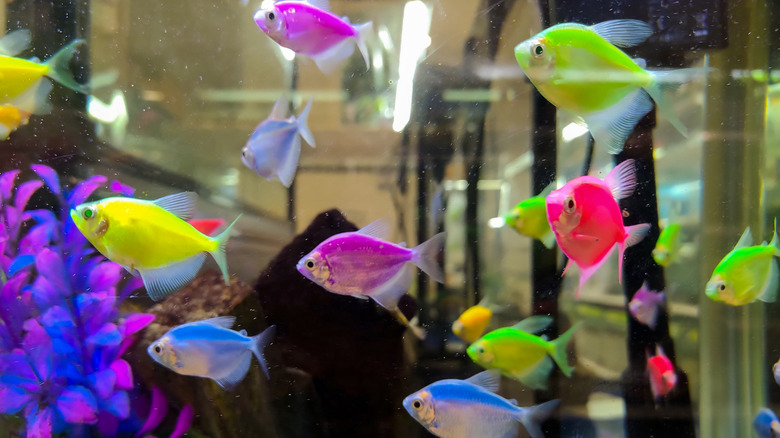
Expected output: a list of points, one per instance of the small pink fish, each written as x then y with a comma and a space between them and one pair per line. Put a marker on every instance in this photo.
206, 226
315, 32
661, 373
645, 304
364, 265
587, 221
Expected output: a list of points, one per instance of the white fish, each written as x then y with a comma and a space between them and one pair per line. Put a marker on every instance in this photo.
210, 349
275, 146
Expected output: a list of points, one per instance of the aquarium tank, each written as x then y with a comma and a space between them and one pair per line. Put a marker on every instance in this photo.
389, 218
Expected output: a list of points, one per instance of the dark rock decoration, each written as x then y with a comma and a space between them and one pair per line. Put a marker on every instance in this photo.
345, 356
245, 411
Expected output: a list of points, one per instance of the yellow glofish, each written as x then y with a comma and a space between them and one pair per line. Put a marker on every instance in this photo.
152, 238
667, 246
529, 218
10, 119
472, 323
520, 355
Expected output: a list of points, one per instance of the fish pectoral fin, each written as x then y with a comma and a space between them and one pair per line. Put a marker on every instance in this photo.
182, 205
162, 282
331, 59
612, 126
621, 180
232, 377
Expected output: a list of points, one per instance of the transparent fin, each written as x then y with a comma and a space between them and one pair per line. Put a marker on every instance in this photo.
219, 253
559, 353
745, 240
35, 100
303, 125
769, 294
288, 163
537, 378
220, 321
587, 272
259, 343
774, 243
624, 32
363, 32
59, 67
279, 111
635, 234
489, 380
322, 4
621, 180
533, 417
425, 256
534, 324
331, 59
162, 282
612, 126
667, 81
182, 205
15, 42
388, 295
547, 190
237, 374
548, 240
640, 62
380, 229
5, 131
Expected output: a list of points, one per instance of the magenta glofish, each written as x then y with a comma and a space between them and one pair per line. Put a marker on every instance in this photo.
661, 373
363, 264
587, 220
644, 305
315, 32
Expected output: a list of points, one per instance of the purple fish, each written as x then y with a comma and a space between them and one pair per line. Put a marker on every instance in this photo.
644, 305
315, 32
364, 265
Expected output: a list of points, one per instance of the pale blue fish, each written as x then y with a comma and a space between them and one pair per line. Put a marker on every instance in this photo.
471, 408
210, 349
275, 146
645, 304
766, 424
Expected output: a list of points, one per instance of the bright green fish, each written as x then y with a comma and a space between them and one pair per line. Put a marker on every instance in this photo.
520, 355
152, 238
529, 218
580, 69
667, 246
747, 273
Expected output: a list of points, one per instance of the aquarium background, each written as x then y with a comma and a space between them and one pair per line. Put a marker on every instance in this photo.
443, 132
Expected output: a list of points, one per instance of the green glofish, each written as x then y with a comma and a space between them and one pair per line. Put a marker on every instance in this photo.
529, 218
667, 246
580, 69
521, 355
747, 273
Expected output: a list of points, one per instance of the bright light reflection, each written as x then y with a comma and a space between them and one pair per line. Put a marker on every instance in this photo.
287, 53
496, 222
414, 41
573, 130
107, 113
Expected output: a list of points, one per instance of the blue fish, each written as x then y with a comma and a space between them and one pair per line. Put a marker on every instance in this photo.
209, 348
470, 408
767, 424
274, 148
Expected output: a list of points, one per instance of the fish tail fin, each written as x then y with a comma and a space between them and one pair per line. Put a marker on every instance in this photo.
303, 126
559, 354
548, 239
219, 253
259, 343
533, 417
363, 32
774, 243
425, 256
59, 67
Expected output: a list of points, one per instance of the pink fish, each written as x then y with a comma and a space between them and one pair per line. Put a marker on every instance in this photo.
315, 32
364, 265
645, 304
206, 226
587, 221
661, 373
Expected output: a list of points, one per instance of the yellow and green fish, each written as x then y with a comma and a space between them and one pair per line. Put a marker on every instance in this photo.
521, 355
580, 69
529, 218
747, 273
152, 238
667, 246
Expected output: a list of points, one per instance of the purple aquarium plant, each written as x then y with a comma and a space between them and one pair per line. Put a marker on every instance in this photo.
62, 336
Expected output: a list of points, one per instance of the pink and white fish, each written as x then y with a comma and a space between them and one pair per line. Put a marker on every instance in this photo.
315, 32
587, 220
363, 264
661, 373
645, 304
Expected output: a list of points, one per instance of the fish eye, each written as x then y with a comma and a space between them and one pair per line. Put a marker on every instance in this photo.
722, 286
417, 404
271, 16
481, 350
537, 50
569, 205
310, 264
157, 349
89, 213
243, 153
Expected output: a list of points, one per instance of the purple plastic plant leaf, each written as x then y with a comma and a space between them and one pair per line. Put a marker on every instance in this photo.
123, 373
37, 344
24, 193
132, 284
6, 342
119, 404
13, 399
49, 265
49, 176
40, 215
7, 183
84, 190
134, 323
102, 382
13, 312
107, 336
156, 412
14, 366
20, 263
104, 276
11, 219
39, 422
39, 237
99, 307
184, 421
122, 188
44, 294
77, 405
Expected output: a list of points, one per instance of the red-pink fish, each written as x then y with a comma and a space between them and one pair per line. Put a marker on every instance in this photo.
587, 220
206, 226
661, 373
315, 32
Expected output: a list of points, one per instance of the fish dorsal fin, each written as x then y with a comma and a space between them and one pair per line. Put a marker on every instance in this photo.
280, 109
402, 244
533, 324
659, 351
180, 204
640, 62
621, 181
15, 42
321, 4
489, 380
242, 332
380, 229
512, 401
225, 322
746, 239
547, 190
624, 32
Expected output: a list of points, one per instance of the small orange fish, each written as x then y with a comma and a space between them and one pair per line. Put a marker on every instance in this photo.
11, 118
